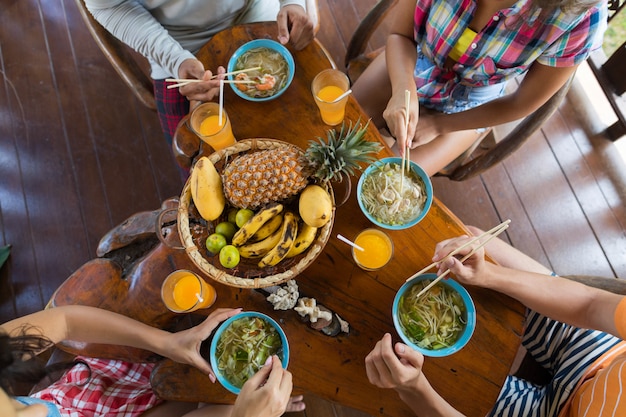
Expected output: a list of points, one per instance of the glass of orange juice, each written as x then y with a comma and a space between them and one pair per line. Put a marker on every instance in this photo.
184, 291
327, 86
205, 121
377, 249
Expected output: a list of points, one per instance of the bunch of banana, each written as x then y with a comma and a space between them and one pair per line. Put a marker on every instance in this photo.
280, 235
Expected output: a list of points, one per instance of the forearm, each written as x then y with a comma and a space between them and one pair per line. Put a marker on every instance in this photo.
555, 297
131, 23
426, 402
401, 52
91, 325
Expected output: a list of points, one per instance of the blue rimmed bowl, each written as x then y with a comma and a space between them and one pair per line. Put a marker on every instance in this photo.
283, 352
468, 316
416, 171
262, 43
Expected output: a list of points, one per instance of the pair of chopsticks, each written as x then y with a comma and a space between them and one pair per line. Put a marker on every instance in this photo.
184, 81
406, 157
489, 234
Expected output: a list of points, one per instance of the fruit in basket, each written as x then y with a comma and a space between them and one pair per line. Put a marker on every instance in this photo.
315, 206
304, 239
273, 175
227, 229
215, 242
262, 247
270, 226
247, 230
206, 189
288, 234
242, 216
229, 256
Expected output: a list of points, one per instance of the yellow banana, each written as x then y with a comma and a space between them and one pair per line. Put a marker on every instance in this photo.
288, 234
306, 236
268, 228
262, 247
206, 189
246, 231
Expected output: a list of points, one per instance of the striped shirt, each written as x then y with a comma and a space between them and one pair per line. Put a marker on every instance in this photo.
600, 391
513, 39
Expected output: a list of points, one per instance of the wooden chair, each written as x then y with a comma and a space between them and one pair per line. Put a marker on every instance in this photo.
132, 67
489, 149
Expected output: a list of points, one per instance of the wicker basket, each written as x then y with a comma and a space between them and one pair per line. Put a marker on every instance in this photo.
194, 230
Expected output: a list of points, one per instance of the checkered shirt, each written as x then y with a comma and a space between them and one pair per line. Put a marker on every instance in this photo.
110, 388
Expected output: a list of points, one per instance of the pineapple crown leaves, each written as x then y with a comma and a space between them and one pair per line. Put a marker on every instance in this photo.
341, 153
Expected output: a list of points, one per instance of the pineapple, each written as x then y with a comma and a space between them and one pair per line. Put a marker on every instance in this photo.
256, 179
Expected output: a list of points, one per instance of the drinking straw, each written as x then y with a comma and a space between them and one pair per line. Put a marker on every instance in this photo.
221, 106
200, 299
342, 96
349, 242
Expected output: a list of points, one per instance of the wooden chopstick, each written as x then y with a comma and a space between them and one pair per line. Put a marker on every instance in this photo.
406, 165
447, 271
495, 231
184, 81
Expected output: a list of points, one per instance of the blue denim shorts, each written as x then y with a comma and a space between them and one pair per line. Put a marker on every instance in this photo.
463, 97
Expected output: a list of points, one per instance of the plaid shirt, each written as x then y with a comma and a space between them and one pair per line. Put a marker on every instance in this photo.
108, 388
505, 48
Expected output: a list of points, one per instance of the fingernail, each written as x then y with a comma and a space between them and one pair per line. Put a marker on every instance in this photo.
212, 377
282, 39
401, 348
268, 361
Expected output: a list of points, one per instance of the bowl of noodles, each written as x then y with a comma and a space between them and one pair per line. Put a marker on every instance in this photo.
392, 200
242, 344
438, 323
269, 70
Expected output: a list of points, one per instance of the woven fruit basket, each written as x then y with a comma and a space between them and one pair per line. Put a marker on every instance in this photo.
194, 230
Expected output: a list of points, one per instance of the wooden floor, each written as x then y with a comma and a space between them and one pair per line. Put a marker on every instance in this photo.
78, 155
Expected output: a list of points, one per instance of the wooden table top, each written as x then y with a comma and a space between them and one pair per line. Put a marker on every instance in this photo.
127, 276
333, 367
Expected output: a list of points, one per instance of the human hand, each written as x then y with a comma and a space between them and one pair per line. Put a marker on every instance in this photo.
294, 25
395, 116
398, 367
427, 129
204, 91
266, 393
184, 346
472, 270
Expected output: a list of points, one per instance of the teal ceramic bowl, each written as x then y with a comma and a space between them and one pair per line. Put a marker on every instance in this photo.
469, 317
262, 43
283, 352
417, 171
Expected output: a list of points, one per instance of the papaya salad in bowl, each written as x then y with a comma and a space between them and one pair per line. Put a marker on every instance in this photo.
242, 344
439, 322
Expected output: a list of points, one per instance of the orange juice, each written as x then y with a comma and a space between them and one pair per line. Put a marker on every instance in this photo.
183, 291
205, 122
326, 87
377, 249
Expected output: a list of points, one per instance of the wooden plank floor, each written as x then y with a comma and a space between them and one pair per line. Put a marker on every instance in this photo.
78, 155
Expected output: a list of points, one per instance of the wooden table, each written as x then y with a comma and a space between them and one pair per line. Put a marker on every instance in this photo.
330, 367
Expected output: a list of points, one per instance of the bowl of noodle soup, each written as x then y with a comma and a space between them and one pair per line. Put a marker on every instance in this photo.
273, 73
390, 201
438, 323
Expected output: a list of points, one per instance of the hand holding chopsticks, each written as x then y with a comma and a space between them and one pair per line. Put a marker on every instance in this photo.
184, 81
489, 234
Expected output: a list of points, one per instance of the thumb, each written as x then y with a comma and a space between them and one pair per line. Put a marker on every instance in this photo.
283, 27
409, 356
261, 375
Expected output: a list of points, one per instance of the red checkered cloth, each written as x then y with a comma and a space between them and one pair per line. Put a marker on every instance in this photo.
171, 108
102, 387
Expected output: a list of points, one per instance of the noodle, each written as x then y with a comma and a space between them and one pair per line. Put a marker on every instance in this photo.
391, 199
244, 347
436, 319
271, 62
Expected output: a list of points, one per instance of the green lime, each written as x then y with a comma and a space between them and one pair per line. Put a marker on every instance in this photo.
227, 229
243, 215
215, 242
229, 256
232, 215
